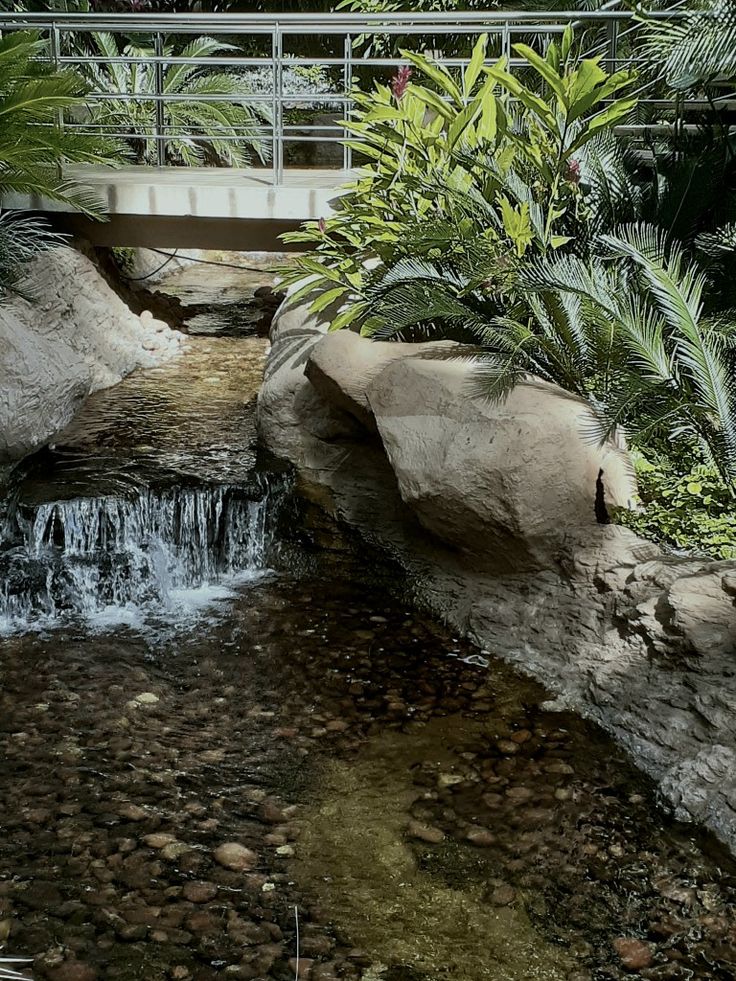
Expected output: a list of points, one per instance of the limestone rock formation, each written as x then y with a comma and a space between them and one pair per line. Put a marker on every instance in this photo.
77, 336
504, 481
342, 366
643, 643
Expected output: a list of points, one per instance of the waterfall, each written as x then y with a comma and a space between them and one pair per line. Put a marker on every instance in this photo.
119, 557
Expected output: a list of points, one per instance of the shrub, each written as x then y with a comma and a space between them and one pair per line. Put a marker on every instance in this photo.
685, 504
453, 159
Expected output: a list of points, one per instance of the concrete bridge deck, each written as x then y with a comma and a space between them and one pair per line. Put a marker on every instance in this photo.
201, 207
203, 192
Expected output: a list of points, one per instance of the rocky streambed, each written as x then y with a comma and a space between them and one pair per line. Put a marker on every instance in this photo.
287, 769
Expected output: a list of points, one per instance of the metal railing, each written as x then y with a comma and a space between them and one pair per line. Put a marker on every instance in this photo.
348, 50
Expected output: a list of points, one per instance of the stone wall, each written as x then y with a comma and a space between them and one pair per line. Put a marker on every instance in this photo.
75, 337
491, 510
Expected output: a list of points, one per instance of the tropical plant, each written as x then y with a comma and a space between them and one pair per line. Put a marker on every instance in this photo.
22, 238
33, 145
627, 331
683, 503
697, 50
206, 119
482, 156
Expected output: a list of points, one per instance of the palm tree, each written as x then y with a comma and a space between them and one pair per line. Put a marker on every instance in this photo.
626, 330
208, 118
33, 143
34, 146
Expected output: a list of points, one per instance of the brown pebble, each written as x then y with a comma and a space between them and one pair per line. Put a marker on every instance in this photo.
234, 856
503, 895
425, 832
507, 747
199, 892
635, 954
522, 736
481, 837
73, 971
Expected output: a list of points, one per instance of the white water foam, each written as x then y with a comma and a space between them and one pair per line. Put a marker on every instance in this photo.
115, 561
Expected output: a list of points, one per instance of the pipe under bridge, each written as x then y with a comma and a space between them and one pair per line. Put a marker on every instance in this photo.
291, 76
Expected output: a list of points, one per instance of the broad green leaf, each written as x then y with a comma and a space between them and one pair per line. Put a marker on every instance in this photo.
326, 298
439, 75
476, 64
347, 317
433, 101
546, 71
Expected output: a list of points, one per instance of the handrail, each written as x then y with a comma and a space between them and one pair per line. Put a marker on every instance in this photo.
275, 35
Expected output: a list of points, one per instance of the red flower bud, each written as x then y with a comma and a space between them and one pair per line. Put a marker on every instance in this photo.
400, 81
322, 225
573, 171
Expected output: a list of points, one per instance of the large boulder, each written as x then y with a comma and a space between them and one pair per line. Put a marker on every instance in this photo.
294, 420
505, 482
342, 366
76, 336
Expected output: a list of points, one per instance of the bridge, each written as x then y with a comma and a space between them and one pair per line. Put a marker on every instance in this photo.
296, 78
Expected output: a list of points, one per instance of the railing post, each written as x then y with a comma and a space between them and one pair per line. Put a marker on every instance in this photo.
612, 37
278, 104
55, 43
160, 128
347, 152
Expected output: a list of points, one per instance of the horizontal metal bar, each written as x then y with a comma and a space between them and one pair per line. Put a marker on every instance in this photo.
336, 21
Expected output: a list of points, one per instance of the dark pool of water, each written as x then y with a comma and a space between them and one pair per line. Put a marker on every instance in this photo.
418, 816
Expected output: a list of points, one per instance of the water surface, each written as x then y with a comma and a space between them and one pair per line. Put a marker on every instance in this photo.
422, 815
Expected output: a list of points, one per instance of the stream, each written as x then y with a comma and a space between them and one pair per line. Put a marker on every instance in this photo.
234, 748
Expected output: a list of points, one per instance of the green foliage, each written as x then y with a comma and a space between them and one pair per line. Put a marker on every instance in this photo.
22, 238
201, 127
628, 333
685, 504
478, 161
694, 51
33, 145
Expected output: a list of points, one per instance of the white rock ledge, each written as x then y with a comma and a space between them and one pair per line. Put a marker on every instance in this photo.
490, 507
76, 337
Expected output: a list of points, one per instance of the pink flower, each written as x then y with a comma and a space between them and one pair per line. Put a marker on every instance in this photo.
322, 225
573, 171
400, 81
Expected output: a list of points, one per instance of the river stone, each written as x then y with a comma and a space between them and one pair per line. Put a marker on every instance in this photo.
75, 338
236, 857
504, 481
199, 892
635, 954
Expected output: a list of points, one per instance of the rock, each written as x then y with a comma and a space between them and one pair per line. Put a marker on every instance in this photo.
449, 779
503, 895
635, 954
145, 698
489, 508
77, 337
199, 892
295, 420
73, 970
481, 837
503, 482
425, 832
159, 840
342, 365
133, 813
236, 857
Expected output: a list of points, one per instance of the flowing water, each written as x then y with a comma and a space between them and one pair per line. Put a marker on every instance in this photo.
232, 752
